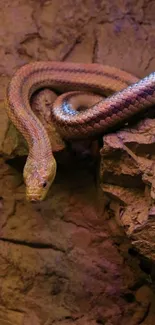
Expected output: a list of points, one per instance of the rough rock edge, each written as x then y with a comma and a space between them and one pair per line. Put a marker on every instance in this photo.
127, 174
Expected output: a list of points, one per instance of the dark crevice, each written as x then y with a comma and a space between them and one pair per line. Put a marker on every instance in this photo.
129, 297
30, 244
145, 314
16, 310
17, 163
100, 321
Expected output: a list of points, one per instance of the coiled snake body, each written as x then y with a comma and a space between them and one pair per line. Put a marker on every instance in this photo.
130, 96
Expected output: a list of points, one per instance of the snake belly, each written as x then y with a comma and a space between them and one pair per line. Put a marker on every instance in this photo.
128, 95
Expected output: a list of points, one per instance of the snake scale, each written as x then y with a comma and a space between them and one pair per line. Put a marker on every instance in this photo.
78, 82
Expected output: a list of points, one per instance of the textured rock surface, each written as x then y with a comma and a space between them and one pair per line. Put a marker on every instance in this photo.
67, 260
128, 174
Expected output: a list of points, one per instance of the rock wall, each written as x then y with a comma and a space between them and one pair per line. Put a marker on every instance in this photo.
68, 260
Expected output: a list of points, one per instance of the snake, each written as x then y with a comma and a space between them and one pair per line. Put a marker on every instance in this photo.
76, 84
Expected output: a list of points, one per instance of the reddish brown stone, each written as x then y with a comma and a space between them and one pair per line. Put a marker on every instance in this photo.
68, 260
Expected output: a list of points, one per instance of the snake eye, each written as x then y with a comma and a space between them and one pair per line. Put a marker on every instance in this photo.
44, 184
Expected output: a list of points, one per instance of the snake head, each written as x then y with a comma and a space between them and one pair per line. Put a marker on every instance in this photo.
38, 178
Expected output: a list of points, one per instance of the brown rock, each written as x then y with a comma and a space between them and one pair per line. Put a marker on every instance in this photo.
67, 260
127, 175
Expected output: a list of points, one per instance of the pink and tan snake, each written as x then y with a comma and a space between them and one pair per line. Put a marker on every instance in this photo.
128, 95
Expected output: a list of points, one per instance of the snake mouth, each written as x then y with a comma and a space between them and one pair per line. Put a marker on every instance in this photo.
34, 197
